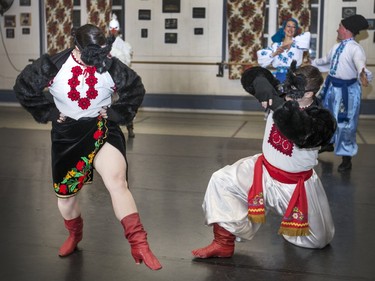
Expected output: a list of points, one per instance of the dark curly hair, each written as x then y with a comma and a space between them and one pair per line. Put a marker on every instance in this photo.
94, 46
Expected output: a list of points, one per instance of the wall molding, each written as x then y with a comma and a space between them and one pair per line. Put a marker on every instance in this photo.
199, 102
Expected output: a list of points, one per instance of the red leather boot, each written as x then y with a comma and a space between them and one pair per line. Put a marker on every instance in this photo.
221, 247
137, 238
75, 227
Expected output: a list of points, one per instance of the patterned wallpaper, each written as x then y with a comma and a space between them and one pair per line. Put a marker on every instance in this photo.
59, 25
245, 33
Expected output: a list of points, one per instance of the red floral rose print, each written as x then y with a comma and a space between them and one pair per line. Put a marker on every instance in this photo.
84, 103
91, 81
77, 71
80, 165
73, 82
98, 134
81, 181
63, 189
73, 94
92, 93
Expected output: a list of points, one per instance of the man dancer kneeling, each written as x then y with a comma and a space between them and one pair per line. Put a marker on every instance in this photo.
281, 178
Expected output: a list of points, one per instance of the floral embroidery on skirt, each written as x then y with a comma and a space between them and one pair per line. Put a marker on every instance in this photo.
74, 146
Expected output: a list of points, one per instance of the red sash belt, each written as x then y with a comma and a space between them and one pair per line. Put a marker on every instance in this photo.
295, 219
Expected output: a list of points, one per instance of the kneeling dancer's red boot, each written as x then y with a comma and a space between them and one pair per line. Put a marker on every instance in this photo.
221, 247
137, 238
75, 227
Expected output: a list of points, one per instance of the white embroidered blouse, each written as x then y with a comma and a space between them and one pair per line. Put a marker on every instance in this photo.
300, 44
349, 64
80, 91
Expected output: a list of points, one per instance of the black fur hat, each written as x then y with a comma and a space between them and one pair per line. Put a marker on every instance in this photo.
251, 73
355, 23
307, 128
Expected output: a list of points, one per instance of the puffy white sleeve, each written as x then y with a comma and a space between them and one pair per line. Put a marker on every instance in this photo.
327, 58
322, 67
369, 75
324, 63
129, 53
123, 51
303, 41
359, 59
265, 57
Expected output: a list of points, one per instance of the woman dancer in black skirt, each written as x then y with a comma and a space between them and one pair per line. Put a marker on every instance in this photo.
92, 94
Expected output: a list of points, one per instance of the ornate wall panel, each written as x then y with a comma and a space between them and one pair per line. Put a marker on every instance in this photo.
99, 13
245, 32
59, 24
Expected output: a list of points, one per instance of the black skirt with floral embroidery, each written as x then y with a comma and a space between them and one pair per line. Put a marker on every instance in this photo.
74, 146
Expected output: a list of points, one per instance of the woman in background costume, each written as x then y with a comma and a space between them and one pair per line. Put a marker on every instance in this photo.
287, 46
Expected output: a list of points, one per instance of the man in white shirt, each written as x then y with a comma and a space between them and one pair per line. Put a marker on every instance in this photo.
341, 93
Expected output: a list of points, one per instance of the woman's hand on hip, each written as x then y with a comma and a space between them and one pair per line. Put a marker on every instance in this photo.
103, 112
62, 118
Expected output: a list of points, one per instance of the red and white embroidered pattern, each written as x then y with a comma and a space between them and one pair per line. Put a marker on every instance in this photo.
279, 142
91, 81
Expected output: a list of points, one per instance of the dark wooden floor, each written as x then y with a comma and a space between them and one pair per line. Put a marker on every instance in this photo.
168, 178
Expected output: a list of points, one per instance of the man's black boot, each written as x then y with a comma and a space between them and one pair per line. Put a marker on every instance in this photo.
345, 165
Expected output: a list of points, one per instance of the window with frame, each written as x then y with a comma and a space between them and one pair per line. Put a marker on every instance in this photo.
76, 13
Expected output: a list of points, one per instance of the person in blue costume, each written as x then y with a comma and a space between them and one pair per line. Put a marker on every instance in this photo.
287, 46
85, 131
341, 93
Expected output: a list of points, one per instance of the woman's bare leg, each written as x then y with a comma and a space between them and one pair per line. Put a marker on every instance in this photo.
111, 166
69, 207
